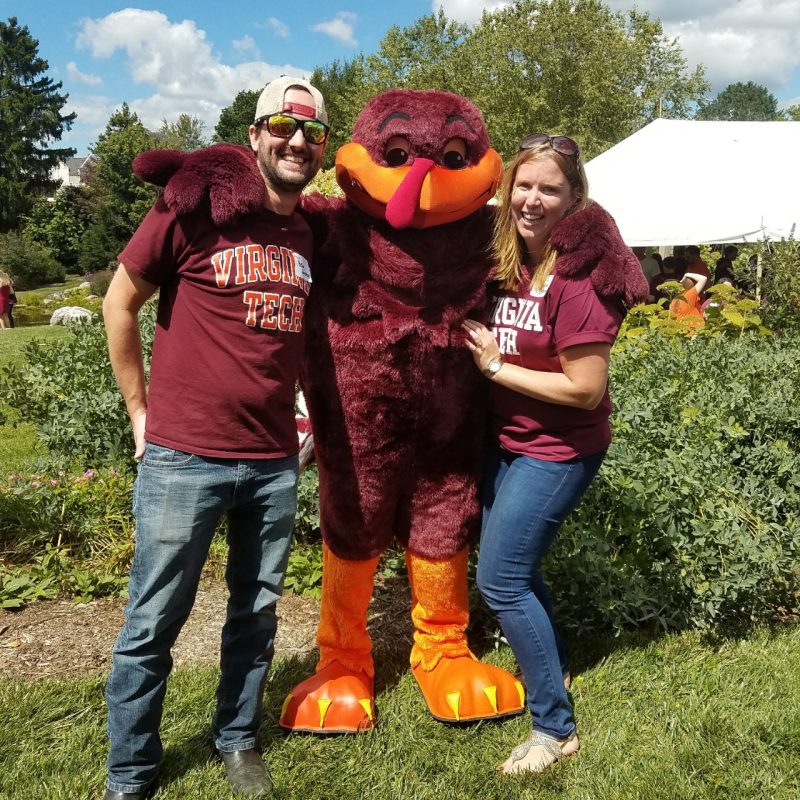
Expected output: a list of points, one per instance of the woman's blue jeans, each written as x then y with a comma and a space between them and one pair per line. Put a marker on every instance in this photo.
178, 501
525, 500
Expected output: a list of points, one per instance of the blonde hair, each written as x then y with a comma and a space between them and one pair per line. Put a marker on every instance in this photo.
507, 246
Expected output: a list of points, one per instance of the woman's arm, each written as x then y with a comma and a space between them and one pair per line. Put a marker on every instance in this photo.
582, 384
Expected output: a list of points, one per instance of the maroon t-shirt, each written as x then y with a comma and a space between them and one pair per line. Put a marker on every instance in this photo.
531, 329
229, 331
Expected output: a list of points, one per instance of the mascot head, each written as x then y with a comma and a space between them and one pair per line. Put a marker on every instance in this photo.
419, 159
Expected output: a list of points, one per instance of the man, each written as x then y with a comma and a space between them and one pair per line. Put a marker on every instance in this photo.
216, 434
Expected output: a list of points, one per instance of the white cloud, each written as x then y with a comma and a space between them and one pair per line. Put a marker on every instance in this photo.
339, 28
76, 76
277, 27
466, 10
174, 59
749, 40
247, 44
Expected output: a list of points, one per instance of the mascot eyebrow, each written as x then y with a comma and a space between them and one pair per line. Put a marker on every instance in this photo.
458, 118
453, 118
394, 115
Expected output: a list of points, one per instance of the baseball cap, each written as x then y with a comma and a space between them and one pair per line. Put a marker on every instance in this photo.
270, 100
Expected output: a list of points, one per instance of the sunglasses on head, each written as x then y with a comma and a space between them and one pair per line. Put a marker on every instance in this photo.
561, 144
283, 126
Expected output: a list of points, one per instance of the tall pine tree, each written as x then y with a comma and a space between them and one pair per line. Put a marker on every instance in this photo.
30, 119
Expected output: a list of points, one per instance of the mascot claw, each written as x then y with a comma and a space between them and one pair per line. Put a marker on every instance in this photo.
462, 689
335, 700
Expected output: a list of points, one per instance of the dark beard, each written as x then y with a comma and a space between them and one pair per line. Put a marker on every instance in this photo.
281, 183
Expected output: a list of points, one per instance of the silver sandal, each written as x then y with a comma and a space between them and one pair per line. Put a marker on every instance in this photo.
553, 752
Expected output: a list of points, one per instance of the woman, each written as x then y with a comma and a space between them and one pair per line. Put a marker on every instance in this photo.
5, 301
565, 280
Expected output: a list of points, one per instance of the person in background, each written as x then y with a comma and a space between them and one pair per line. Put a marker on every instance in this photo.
650, 267
669, 272
697, 267
689, 305
564, 282
6, 290
681, 262
723, 270
216, 435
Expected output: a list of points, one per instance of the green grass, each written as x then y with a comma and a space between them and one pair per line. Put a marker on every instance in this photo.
676, 718
12, 340
45, 291
19, 444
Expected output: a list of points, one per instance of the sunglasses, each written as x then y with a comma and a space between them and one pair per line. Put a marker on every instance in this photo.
561, 144
283, 126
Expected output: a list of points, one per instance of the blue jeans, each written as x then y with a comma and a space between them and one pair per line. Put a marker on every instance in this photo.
178, 501
525, 500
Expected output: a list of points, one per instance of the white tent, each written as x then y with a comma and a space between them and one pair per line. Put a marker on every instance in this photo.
691, 182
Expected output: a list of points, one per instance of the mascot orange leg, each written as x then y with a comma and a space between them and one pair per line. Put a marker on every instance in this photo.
455, 684
340, 698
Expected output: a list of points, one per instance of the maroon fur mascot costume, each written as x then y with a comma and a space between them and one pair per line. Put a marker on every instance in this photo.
396, 404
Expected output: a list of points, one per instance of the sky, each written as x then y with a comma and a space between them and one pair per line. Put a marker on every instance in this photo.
195, 57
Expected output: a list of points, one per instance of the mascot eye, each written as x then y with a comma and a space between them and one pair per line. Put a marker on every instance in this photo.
397, 151
455, 154
396, 157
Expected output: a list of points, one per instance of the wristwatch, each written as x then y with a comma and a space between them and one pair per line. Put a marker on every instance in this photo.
493, 367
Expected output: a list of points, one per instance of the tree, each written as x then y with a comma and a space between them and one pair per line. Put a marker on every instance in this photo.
577, 68
122, 199
566, 66
346, 87
186, 133
237, 118
29, 263
741, 101
60, 224
793, 113
30, 119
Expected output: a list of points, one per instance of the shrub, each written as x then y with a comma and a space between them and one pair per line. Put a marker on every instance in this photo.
100, 281
694, 519
28, 263
325, 183
781, 285
76, 529
66, 388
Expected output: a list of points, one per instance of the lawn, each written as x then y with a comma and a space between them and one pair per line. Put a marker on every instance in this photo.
19, 445
675, 718
45, 291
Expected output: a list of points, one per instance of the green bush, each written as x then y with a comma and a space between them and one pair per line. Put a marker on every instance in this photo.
64, 534
694, 519
28, 263
66, 388
781, 285
100, 281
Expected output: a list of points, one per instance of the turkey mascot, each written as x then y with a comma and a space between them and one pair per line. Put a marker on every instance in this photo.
397, 407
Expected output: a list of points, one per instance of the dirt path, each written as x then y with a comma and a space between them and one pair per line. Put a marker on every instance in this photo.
59, 638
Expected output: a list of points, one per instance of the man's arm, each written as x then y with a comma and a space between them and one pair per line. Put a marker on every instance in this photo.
125, 296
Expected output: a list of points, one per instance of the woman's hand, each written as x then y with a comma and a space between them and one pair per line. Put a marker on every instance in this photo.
481, 343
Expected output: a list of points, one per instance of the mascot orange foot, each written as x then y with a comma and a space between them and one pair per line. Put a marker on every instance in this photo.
340, 698
335, 700
457, 687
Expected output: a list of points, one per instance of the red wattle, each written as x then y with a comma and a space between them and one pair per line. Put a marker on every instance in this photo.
403, 204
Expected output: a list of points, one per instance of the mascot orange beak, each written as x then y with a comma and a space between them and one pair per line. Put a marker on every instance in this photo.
421, 195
